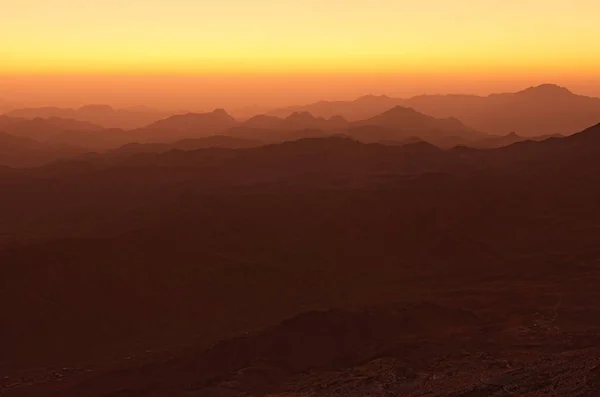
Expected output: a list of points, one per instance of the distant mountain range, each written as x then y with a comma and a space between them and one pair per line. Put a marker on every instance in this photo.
191, 125
396, 126
44, 128
401, 123
445, 121
296, 121
55, 130
341, 154
546, 109
359, 109
395, 123
542, 110
102, 115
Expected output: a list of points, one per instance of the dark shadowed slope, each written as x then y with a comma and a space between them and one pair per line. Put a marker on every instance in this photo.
568, 153
102, 115
17, 151
102, 263
506, 140
541, 110
125, 152
216, 141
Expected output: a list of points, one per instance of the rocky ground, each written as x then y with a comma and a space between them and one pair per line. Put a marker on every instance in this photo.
507, 337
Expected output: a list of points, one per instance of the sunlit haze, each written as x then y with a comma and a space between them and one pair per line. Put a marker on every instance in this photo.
200, 54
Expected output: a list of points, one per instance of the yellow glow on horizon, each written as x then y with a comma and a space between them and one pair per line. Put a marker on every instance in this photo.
202, 54
449, 65
41, 37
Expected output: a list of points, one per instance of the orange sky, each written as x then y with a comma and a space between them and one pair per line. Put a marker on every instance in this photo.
196, 53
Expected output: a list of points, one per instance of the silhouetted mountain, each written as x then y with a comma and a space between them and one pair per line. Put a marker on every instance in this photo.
102, 115
558, 157
396, 124
359, 109
546, 90
506, 140
296, 121
408, 119
276, 135
191, 125
542, 110
57, 131
500, 141
263, 122
16, 151
44, 129
578, 148
216, 141
547, 109
322, 159
399, 124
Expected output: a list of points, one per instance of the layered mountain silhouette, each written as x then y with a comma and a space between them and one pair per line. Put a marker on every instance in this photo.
216, 141
102, 115
44, 128
542, 110
114, 264
19, 151
403, 118
508, 139
546, 109
191, 125
394, 124
359, 109
296, 121
58, 131
401, 124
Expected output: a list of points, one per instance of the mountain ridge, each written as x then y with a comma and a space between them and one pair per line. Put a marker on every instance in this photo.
530, 112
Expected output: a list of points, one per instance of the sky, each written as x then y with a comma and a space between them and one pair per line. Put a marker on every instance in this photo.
199, 53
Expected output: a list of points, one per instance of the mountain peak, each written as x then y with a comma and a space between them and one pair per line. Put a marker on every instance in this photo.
337, 118
220, 111
400, 110
301, 116
546, 89
398, 114
222, 115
